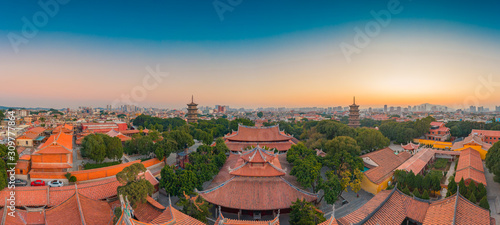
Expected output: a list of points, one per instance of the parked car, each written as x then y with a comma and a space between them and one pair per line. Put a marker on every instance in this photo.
38, 183
19, 182
55, 183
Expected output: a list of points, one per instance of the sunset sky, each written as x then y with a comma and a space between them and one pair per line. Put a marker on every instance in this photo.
256, 54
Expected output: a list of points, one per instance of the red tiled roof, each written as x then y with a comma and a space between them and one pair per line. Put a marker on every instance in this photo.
470, 158
58, 195
258, 134
418, 162
36, 130
67, 212
410, 146
472, 139
79, 209
152, 212
438, 124
256, 193
392, 207
257, 163
489, 133
469, 173
27, 196
470, 166
60, 139
365, 210
386, 162
239, 146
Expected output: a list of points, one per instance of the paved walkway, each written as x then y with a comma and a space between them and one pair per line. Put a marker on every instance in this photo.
450, 173
493, 189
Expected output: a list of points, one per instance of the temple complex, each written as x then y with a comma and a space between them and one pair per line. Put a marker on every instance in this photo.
354, 114
395, 207
254, 183
55, 155
192, 115
270, 137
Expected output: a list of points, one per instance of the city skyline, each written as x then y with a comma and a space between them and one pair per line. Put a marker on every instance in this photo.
242, 60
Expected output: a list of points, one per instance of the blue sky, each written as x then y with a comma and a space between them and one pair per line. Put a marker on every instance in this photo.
263, 53
198, 20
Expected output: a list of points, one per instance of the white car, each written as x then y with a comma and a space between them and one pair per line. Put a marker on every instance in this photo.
56, 183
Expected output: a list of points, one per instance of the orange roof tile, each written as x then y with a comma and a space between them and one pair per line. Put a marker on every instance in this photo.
418, 161
386, 162
256, 193
470, 166
258, 134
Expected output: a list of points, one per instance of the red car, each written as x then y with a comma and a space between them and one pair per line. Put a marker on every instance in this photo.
38, 183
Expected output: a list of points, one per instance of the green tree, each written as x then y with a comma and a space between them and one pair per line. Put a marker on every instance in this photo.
332, 188
188, 181
3, 174
169, 180
484, 203
260, 114
406, 190
307, 171
462, 188
114, 148
481, 191
410, 179
425, 195
164, 148
343, 158
305, 213
416, 193
471, 189
371, 139
472, 198
195, 207
130, 173
136, 191
298, 151
452, 187
93, 146
134, 187
426, 182
493, 160
182, 138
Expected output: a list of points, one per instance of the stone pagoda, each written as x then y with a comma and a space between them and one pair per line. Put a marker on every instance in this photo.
192, 115
354, 114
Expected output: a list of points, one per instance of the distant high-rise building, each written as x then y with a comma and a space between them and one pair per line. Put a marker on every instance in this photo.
398, 109
354, 114
391, 109
385, 108
192, 111
472, 108
497, 108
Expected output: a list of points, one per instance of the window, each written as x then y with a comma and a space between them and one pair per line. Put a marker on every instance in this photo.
26, 142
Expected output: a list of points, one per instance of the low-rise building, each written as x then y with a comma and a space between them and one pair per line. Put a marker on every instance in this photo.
379, 168
438, 132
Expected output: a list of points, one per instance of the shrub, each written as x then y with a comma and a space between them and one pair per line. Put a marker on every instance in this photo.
89, 166
472, 198
425, 195
484, 203
440, 163
72, 179
67, 175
